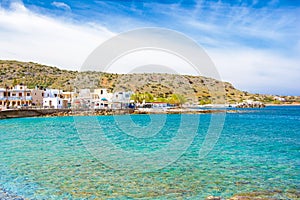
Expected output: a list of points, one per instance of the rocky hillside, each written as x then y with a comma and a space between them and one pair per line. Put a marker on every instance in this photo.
196, 89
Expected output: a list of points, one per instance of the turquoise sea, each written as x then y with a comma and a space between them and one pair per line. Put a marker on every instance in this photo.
257, 152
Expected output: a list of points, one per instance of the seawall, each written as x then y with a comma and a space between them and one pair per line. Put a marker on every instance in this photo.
81, 112
29, 113
6, 114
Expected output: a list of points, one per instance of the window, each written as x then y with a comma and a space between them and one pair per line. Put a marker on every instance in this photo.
20, 94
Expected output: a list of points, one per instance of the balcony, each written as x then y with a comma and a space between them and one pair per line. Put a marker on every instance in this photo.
16, 98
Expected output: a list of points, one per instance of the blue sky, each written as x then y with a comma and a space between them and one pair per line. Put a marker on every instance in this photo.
255, 44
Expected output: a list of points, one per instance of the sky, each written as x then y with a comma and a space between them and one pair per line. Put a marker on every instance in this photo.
254, 44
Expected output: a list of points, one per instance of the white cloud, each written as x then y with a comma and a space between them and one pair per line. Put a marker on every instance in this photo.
146, 60
29, 36
239, 24
258, 71
61, 5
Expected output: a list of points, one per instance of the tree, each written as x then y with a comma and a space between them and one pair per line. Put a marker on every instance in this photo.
177, 99
148, 97
205, 101
15, 82
140, 97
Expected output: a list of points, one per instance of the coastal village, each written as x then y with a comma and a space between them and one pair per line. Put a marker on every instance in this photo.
27, 85
20, 96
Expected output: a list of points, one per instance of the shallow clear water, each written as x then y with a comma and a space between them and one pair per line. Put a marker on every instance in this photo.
60, 158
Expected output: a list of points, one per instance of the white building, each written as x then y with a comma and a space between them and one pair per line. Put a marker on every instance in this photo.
53, 99
102, 98
279, 98
102, 94
83, 99
68, 98
16, 96
121, 99
85, 94
55, 103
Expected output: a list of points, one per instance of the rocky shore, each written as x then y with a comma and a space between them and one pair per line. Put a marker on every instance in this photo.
4, 195
60, 112
262, 195
69, 112
181, 111
97, 112
254, 104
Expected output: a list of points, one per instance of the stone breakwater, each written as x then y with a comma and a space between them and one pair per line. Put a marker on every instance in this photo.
59, 112
69, 112
251, 105
182, 111
28, 113
97, 112
132, 111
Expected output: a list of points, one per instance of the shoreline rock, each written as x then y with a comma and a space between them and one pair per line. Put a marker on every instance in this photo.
213, 198
5, 195
251, 105
100, 112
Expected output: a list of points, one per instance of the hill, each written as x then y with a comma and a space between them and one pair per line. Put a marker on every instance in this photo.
196, 89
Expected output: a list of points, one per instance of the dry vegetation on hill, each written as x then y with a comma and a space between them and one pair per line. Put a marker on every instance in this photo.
195, 89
